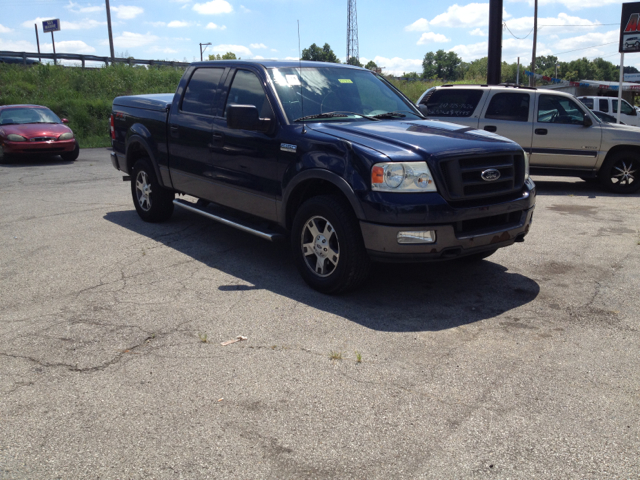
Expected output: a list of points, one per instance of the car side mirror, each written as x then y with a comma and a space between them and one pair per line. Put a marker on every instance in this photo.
246, 117
424, 110
64, 120
587, 122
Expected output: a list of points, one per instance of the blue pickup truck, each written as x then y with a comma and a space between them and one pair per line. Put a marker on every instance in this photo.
332, 157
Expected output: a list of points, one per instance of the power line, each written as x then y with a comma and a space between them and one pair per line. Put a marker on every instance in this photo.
585, 48
518, 38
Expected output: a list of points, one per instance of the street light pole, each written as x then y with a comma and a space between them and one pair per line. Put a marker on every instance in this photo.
201, 50
494, 60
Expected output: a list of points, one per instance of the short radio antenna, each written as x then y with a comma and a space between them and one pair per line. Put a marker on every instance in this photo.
304, 130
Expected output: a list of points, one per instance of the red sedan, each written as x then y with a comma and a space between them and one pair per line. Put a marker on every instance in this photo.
34, 130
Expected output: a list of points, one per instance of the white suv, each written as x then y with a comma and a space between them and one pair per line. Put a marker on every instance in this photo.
609, 105
561, 135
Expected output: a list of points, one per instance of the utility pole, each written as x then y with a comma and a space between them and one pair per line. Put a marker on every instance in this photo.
201, 50
494, 60
113, 56
532, 80
38, 42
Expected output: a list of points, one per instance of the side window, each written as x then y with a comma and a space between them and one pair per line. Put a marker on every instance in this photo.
588, 102
557, 109
453, 102
625, 108
509, 106
201, 90
246, 89
604, 104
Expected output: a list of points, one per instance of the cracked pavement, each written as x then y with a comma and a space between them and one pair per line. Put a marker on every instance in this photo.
521, 366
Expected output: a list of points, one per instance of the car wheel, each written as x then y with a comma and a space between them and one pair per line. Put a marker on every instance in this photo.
4, 158
327, 245
476, 257
153, 202
620, 173
72, 155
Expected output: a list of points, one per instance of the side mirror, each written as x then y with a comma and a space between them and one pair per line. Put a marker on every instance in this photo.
424, 110
64, 120
246, 117
587, 122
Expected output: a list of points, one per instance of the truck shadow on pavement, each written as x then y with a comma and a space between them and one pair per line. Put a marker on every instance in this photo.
36, 161
579, 188
396, 297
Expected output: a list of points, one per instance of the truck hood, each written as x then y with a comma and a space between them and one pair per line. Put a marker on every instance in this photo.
415, 140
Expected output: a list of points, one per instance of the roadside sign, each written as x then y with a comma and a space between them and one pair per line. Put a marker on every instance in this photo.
51, 25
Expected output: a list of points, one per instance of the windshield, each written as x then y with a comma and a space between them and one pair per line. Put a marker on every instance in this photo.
13, 116
353, 93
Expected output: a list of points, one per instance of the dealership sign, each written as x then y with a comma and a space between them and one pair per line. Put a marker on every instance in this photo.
51, 25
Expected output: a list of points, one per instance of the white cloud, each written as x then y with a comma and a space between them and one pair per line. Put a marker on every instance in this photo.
431, 37
132, 40
421, 25
291, 58
258, 57
239, 50
163, 50
214, 7
573, 4
76, 8
274, 50
64, 25
524, 25
157, 24
5, 29
478, 33
177, 24
213, 26
471, 15
258, 45
244, 9
17, 46
127, 13
68, 46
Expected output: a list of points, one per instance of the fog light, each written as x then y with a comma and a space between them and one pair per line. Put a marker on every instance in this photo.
417, 237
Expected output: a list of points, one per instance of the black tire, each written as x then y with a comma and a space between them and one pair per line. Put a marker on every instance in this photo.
620, 173
338, 264
4, 158
476, 257
153, 202
72, 155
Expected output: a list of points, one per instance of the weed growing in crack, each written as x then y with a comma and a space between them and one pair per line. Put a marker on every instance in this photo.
358, 357
335, 355
144, 252
203, 337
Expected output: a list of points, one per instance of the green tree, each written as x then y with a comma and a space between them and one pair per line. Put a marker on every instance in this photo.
354, 61
226, 56
442, 65
371, 65
317, 54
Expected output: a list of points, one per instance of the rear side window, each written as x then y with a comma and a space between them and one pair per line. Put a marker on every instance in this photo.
588, 102
453, 103
603, 104
201, 90
509, 106
246, 89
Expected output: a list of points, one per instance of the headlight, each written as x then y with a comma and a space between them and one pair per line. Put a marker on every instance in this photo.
402, 177
16, 138
66, 136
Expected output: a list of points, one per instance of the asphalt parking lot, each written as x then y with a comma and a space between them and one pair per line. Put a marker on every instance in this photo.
525, 365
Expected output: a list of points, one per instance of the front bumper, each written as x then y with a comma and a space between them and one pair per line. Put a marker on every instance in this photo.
52, 147
381, 241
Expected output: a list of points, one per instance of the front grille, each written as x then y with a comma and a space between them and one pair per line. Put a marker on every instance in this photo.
478, 226
463, 176
42, 139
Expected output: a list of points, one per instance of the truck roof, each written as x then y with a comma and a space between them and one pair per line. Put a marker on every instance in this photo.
276, 63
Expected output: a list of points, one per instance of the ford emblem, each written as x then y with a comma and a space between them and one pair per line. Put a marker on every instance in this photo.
490, 175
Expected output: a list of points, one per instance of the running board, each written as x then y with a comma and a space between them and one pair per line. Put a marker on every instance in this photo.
271, 236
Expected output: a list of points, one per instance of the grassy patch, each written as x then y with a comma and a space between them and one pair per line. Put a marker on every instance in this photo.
333, 355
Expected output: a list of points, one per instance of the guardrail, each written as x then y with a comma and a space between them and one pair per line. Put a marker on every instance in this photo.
89, 58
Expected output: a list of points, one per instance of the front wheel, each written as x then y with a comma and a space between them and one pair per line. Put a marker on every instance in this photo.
620, 173
72, 155
153, 202
4, 158
327, 245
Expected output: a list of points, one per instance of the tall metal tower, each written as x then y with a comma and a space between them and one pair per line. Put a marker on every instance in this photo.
352, 31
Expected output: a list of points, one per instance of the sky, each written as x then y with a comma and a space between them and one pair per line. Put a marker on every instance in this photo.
394, 34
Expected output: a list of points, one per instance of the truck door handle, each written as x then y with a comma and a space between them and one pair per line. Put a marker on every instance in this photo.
491, 128
174, 130
541, 131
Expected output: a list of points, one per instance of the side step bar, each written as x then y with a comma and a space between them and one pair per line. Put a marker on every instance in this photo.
271, 236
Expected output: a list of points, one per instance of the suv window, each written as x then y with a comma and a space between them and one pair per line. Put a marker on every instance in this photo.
603, 104
556, 109
246, 89
625, 108
453, 103
588, 102
201, 91
509, 106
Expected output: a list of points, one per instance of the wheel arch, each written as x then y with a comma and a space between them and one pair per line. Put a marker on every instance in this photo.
620, 148
138, 147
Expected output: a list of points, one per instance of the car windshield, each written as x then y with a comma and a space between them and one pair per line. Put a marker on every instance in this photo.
346, 94
18, 116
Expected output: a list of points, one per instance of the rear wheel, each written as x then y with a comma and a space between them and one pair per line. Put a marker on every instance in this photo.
620, 173
327, 245
4, 158
153, 202
72, 155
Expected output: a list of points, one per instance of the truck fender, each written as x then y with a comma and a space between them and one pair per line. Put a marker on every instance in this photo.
139, 140
319, 174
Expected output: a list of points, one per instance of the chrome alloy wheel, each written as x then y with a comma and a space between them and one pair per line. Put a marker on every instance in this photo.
320, 247
143, 190
623, 172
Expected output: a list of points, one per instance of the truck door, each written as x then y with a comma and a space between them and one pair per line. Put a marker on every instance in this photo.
628, 114
190, 124
510, 114
245, 162
560, 137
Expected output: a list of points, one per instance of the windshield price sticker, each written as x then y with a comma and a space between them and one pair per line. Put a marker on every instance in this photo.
345, 80
293, 80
